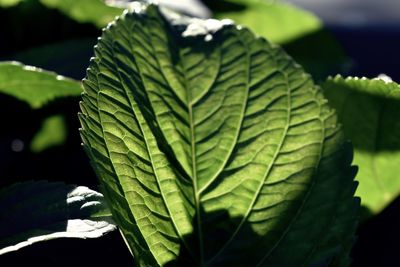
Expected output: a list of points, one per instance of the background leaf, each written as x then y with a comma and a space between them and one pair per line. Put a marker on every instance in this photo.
299, 31
31, 212
9, 3
33, 85
53, 132
369, 110
214, 148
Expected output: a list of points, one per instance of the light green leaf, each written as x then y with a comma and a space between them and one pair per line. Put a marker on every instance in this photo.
35, 86
299, 31
32, 212
214, 148
279, 22
85, 11
9, 3
53, 132
369, 111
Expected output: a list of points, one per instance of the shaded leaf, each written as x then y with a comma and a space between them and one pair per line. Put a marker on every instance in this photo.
369, 110
33, 85
214, 148
31, 212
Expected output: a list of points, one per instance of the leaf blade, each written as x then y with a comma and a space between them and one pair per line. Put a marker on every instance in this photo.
142, 96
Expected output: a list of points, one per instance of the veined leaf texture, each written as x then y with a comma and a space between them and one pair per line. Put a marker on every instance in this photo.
215, 149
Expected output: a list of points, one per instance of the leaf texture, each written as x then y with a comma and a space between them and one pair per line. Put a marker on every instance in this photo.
215, 149
369, 111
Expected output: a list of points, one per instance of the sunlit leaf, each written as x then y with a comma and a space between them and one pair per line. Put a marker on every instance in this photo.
369, 110
34, 85
214, 148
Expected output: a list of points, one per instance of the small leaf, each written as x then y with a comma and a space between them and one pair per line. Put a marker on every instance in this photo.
33, 85
369, 110
52, 133
32, 212
214, 148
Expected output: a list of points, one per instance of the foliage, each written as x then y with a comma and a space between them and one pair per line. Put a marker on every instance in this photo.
38, 211
211, 144
34, 85
369, 111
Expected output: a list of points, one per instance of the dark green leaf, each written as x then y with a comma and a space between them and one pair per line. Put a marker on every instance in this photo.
32, 212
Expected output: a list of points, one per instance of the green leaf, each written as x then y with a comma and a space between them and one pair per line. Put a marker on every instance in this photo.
279, 22
369, 111
32, 212
35, 86
9, 3
52, 133
214, 148
86, 11
300, 32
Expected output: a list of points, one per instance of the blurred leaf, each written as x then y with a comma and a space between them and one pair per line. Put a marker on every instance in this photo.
53, 132
9, 3
369, 111
299, 31
86, 11
31, 212
68, 58
33, 85
278, 22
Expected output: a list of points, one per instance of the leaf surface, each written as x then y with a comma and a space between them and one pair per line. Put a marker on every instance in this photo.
33, 85
215, 149
32, 212
369, 110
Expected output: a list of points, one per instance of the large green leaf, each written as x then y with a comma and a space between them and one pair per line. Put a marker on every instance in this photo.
214, 148
369, 111
33, 85
32, 212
